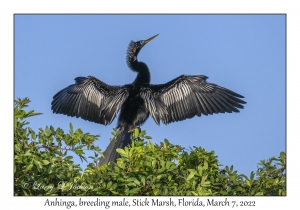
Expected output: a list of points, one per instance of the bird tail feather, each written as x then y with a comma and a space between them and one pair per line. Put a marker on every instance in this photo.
110, 154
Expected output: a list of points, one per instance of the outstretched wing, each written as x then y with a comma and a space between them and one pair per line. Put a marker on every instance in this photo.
90, 99
187, 96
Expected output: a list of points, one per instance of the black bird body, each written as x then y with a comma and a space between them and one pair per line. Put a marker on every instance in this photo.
182, 98
133, 112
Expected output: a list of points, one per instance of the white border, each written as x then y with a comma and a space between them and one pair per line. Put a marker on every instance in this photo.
10, 7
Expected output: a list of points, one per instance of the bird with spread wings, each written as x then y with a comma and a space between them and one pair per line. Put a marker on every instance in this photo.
182, 98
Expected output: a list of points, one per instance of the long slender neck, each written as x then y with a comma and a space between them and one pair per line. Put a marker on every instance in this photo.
143, 76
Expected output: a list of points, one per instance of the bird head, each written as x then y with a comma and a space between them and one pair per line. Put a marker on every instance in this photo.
142, 43
135, 47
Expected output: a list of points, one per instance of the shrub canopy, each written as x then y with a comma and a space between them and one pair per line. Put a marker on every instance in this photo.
43, 165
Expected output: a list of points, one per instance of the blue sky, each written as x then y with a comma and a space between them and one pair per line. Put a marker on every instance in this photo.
244, 53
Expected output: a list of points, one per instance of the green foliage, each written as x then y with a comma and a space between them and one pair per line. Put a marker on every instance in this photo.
42, 166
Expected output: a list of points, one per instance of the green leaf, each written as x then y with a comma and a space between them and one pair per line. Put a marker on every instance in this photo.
136, 132
126, 151
155, 191
194, 193
136, 182
191, 175
28, 153
38, 164
33, 136
109, 184
142, 133
212, 179
114, 186
134, 191
168, 164
154, 163
200, 170
45, 162
205, 165
282, 155
206, 184
47, 131
143, 180
79, 151
120, 163
121, 152
252, 175
131, 179
28, 167
161, 170
71, 129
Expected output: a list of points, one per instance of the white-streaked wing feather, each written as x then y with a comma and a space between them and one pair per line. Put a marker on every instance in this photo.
187, 96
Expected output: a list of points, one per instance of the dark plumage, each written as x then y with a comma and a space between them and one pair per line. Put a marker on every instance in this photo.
182, 98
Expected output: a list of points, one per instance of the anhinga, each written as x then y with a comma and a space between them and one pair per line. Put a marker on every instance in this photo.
180, 99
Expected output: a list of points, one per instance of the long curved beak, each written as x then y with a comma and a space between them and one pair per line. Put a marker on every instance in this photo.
148, 40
